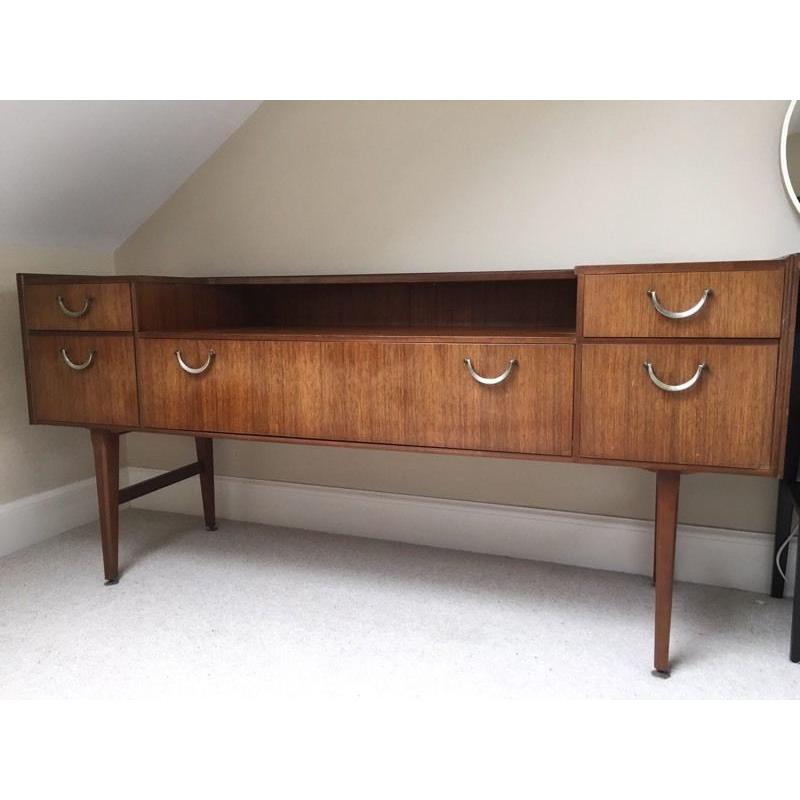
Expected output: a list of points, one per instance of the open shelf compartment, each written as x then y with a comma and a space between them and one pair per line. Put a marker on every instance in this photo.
521, 309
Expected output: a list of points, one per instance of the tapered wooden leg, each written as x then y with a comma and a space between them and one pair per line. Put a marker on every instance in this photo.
653, 573
205, 456
667, 485
106, 467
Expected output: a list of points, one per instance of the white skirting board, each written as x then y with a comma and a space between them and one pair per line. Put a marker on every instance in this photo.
40, 516
716, 556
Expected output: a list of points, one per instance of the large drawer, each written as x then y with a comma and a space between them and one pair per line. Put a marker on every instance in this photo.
740, 304
361, 391
78, 306
724, 419
82, 379
424, 395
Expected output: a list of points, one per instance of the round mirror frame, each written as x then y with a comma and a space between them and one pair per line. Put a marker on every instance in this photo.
790, 190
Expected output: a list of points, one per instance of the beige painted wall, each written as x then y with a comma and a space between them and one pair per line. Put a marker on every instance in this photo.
40, 457
308, 187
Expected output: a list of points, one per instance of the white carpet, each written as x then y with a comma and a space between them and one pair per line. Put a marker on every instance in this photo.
251, 611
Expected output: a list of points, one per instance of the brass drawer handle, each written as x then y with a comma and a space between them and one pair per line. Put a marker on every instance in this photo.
69, 312
680, 387
77, 367
194, 370
490, 381
690, 312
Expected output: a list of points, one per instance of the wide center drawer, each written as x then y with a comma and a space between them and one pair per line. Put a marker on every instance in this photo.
729, 304
674, 412
362, 391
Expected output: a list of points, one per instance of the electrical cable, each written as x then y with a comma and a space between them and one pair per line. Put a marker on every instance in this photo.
778, 555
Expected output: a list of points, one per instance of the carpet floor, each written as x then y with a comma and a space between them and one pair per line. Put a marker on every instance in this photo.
254, 611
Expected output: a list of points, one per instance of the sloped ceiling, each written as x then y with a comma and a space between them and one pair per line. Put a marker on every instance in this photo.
87, 174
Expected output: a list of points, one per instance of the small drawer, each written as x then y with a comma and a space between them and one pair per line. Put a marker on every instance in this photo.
82, 379
78, 306
729, 304
205, 384
674, 411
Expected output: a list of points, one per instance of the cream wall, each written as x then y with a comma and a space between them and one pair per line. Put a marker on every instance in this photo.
35, 458
307, 187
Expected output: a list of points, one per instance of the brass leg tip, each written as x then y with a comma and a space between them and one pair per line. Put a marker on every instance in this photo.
659, 673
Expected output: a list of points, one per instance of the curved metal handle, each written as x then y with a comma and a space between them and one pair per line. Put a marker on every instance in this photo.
194, 370
680, 387
490, 381
690, 312
77, 367
69, 312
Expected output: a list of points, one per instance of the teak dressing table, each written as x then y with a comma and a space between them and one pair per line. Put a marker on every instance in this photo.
669, 367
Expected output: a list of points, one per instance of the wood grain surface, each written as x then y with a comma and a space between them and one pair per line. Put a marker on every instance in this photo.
104, 393
724, 420
109, 306
405, 394
666, 524
742, 304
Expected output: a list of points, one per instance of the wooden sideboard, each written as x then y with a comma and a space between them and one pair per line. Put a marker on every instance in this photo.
670, 367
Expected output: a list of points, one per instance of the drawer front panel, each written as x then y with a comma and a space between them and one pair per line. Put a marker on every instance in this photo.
725, 419
740, 305
384, 393
423, 395
82, 307
222, 398
104, 392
